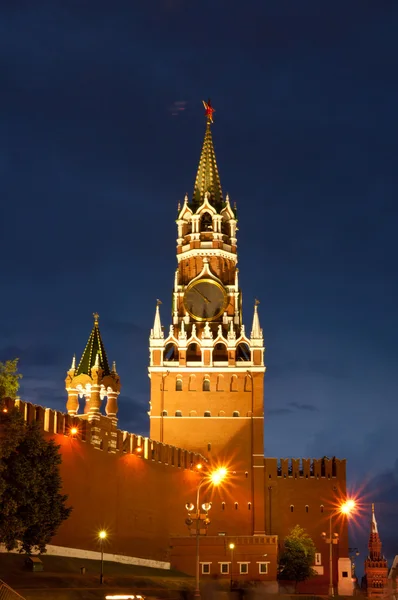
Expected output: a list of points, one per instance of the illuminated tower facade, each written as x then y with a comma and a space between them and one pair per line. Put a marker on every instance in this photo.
206, 370
93, 381
376, 569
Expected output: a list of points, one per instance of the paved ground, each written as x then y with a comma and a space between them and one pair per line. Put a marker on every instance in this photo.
61, 579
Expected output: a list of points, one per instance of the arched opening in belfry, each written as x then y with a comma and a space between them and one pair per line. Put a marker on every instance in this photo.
206, 222
170, 352
187, 228
243, 352
220, 352
194, 353
225, 227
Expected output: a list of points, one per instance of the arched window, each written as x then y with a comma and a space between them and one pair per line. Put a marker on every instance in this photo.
170, 352
220, 353
235, 413
249, 505
223, 505
164, 413
178, 413
220, 383
192, 383
178, 385
234, 383
291, 508
193, 413
236, 506
306, 508
248, 383
206, 385
194, 353
207, 413
243, 352
206, 222
321, 508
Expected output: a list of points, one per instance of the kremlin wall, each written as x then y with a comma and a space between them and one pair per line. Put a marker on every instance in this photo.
137, 488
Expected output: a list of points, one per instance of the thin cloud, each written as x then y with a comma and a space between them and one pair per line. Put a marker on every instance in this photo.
307, 407
276, 412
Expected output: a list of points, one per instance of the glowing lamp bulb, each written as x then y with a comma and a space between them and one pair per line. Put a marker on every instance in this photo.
5, 410
102, 535
348, 506
199, 466
138, 449
231, 546
218, 476
73, 431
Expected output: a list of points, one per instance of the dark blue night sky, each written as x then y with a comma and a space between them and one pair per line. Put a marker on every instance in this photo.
101, 126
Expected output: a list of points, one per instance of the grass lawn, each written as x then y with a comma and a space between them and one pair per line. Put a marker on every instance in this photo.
61, 579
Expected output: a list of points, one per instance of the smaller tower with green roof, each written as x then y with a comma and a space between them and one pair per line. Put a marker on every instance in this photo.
93, 380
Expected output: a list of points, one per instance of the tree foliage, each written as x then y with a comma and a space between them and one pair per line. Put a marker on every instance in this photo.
297, 558
9, 378
31, 504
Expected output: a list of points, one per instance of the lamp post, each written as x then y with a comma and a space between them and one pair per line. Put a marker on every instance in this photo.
231, 547
213, 478
346, 508
102, 536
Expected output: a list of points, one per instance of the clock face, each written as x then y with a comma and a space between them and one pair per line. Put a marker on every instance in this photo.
205, 300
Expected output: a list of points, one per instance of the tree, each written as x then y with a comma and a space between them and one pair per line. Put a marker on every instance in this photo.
31, 504
297, 556
9, 378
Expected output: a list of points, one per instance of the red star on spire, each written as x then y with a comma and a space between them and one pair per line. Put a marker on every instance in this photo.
209, 110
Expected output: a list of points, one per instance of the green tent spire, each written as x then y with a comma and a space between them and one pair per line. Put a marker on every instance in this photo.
93, 348
207, 178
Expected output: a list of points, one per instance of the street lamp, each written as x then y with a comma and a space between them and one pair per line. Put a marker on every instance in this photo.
231, 547
345, 508
102, 537
212, 478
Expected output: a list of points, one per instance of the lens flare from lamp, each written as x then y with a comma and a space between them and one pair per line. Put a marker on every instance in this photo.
102, 535
73, 431
231, 546
218, 476
348, 506
199, 466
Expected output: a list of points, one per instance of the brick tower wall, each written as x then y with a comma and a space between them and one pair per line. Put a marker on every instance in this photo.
303, 492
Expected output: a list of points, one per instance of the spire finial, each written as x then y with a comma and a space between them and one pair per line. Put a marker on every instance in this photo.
157, 331
97, 360
209, 110
257, 332
96, 317
114, 367
73, 365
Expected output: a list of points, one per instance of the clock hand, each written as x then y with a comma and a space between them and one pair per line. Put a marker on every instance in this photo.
203, 296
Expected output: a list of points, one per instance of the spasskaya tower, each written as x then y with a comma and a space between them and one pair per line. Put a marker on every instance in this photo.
206, 371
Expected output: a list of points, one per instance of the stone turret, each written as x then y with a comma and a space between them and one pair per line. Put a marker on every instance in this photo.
93, 380
376, 570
